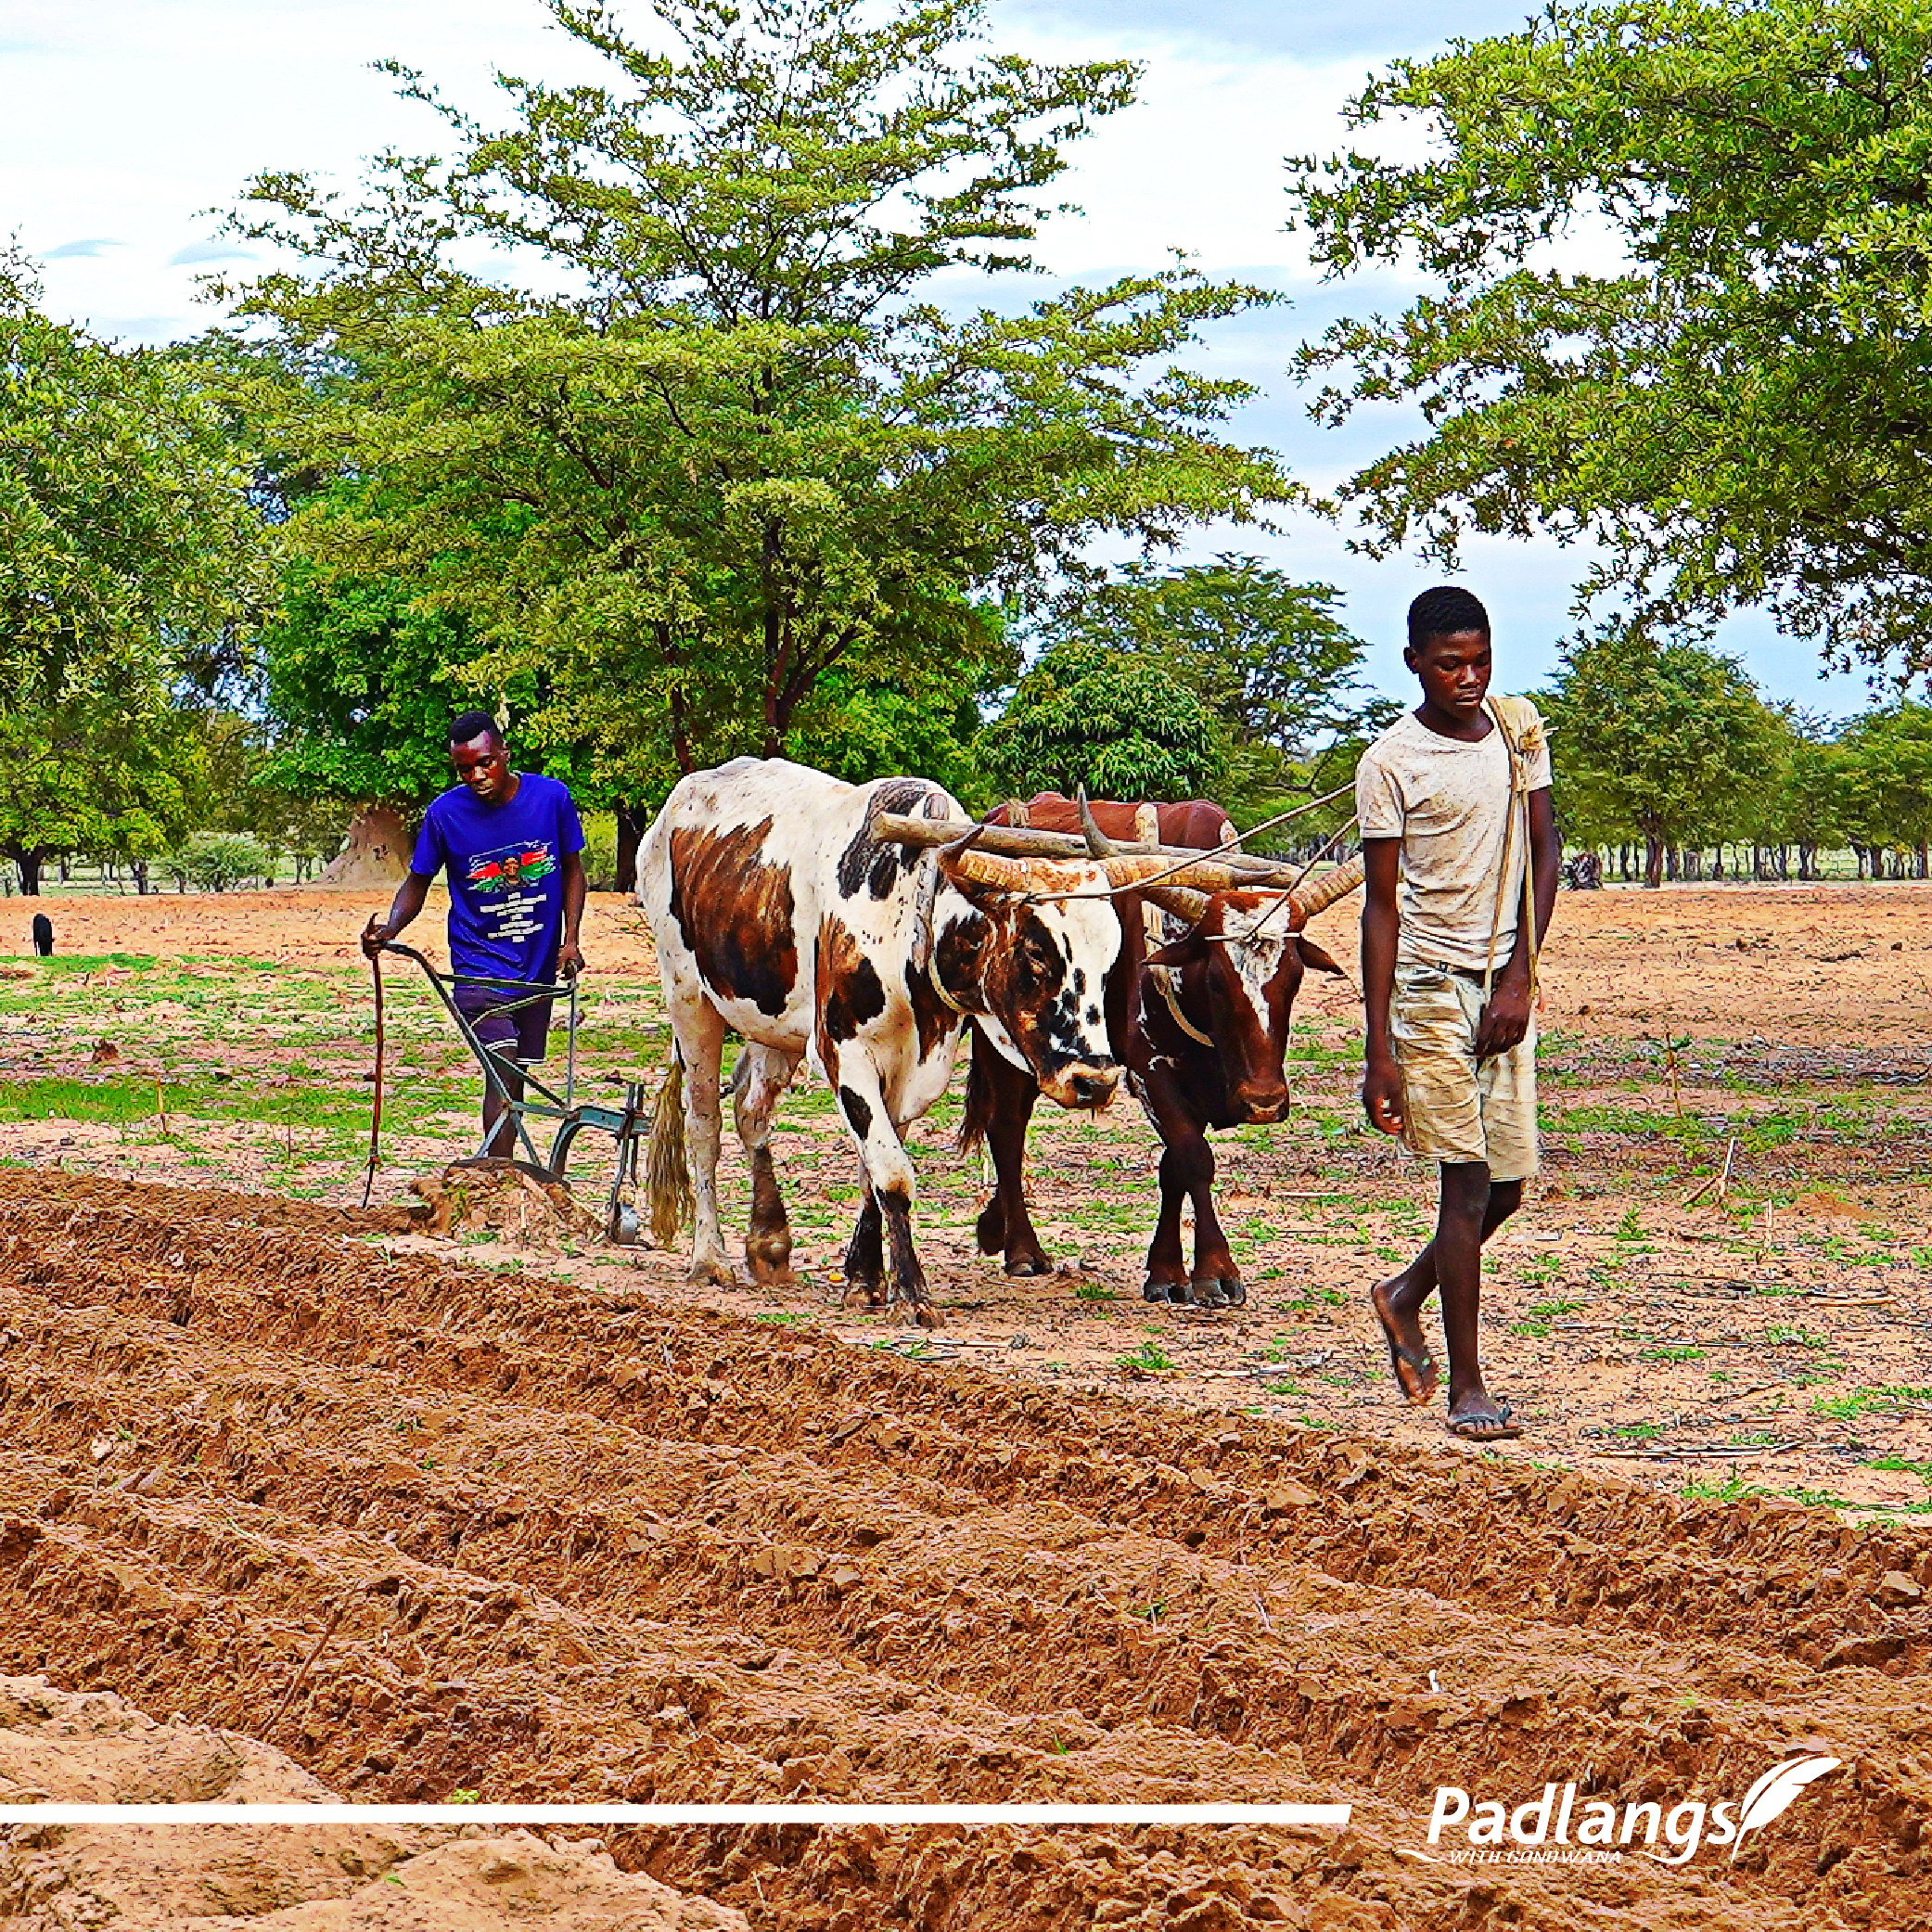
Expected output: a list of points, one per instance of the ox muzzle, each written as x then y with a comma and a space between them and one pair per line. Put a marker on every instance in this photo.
1083, 1083
1262, 1102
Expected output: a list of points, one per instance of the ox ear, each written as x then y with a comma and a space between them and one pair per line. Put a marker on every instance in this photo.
1311, 955
1178, 952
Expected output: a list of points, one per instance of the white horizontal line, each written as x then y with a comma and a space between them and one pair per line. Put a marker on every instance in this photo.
811, 1815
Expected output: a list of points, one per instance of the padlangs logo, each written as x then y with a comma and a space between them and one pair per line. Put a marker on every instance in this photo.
1560, 1828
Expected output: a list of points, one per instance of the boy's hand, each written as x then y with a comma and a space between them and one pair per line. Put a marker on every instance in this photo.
376, 936
1382, 1096
1506, 1020
569, 959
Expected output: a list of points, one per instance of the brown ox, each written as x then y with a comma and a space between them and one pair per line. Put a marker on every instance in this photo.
1200, 1023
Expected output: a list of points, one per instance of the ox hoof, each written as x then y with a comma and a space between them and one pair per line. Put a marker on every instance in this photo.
1164, 1292
1206, 1294
1029, 1264
928, 1316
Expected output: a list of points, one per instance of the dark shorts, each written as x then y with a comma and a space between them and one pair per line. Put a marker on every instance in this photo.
528, 1026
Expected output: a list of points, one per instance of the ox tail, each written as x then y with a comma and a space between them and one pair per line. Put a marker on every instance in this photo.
667, 1174
977, 1116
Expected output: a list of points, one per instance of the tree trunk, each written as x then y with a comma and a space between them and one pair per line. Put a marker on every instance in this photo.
32, 860
375, 851
630, 821
1653, 862
139, 869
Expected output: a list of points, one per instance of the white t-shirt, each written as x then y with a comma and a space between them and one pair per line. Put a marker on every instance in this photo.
1448, 801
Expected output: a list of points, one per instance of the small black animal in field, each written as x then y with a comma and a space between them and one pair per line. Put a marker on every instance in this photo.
43, 935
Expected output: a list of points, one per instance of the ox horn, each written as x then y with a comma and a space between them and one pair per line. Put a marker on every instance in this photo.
1338, 884
1180, 901
1098, 843
1198, 874
960, 862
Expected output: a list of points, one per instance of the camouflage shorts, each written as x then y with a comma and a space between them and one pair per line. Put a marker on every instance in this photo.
1455, 1107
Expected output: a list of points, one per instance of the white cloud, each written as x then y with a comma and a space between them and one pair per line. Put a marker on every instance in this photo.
198, 252
80, 251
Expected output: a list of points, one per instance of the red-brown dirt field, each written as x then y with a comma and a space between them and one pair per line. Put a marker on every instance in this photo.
431, 1515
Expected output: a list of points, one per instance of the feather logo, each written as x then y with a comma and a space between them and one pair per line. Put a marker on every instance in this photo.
1777, 1788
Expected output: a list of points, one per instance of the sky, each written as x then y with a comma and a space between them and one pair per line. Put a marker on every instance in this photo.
129, 124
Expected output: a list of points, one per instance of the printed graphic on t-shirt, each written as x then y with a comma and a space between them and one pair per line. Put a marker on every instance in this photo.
510, 866
509, 883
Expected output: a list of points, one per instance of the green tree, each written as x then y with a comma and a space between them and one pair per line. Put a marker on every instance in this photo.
858, 730
1670, 742
1888, 764
1737, 412
699, 440
1270, 657
115, 773
129, 546
1804, 799
130, 557
1116, 722
212, 861
359, 689
236, 794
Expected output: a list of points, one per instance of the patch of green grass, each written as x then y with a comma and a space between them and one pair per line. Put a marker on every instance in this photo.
1093, 1291
1529, 1331
1630, 1228
1149, 1359
1844, 1408
1709, 1488
1313, 1297
1825, 1499
1286, 1387
1687, 1351
1789, 1335
1904, 1466
1553, 1311
1639, 1432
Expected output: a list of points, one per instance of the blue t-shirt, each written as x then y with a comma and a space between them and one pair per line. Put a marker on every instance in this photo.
505, 875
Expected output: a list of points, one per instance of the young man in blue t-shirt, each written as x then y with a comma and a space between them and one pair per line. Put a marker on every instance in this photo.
513, 847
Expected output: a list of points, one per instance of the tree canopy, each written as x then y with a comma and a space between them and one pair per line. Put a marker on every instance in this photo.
1268, 655
1115, 721
1670, 741
130, 557
695, 435
1735, 408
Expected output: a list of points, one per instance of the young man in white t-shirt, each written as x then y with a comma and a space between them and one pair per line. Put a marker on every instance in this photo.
1452, 799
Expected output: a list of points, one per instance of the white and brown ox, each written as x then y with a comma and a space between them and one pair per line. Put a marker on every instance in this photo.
778, 917
1198, 1016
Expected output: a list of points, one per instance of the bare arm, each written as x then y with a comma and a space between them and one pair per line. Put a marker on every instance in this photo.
570, 958
1506, 1020
406, 904
1381, 924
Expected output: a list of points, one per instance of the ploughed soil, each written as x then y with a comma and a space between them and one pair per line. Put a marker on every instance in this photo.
429, 1529
96, 1749
440, 1514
